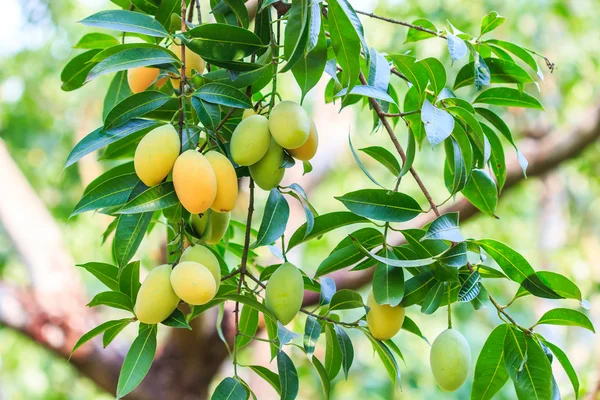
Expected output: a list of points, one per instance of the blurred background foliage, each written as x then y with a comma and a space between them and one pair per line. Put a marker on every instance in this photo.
554, 221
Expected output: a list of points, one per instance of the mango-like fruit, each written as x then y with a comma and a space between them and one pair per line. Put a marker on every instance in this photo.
450, 359
156, 299
383, 320
268, 172
156, 153
193, 283
227, 182
248, 112
204, 256
195, 181
250, 140
211, 225
284, 293
192, 61
141, 78
289, 124
309, 148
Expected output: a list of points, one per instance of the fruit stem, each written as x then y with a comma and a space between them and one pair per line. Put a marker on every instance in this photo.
182, 77
324, 318
275, 55
449, 309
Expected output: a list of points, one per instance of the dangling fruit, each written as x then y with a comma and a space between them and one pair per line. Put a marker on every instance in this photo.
204, 256
309, 148
141, 78
289, 124
268, 172
211, 225
193, 283
156, 153
227, 183
384, 321
195, 182
250, 140
285, 291
450, 359
156, 299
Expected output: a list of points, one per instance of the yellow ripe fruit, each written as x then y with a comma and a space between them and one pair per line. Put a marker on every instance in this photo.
285, 291
289, 124
156, 299
383, 320
141, 78
248, 112
195, 181
268, 172
450, 359
192, 61
193, 283
156, 153
227, 183
204, 256
250, 140
309, 148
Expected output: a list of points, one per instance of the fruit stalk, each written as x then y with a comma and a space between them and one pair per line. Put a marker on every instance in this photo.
182, 79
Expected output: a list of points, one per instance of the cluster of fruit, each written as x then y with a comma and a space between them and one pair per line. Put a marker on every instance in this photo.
259, 143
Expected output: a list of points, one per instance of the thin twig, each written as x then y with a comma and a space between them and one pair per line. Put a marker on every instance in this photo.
182, 77
397, 22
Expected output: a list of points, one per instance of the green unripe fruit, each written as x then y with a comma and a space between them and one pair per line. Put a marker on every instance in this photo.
193, 283
268, 172
450, 359
156, 153
204, 256
250, 140
289, 124
384, 321
285, 291
211, 225
156, 299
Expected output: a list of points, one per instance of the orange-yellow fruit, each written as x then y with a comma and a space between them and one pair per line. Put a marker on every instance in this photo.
227, 183
204, 256
211, 225
192, 61
141, 78
195, 181
285, 291
289, 124
193, 283
268, 173
383, 320
156, 299
250, 140
156, 153
309, 148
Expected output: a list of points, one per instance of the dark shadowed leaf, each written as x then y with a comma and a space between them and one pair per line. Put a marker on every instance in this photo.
490, 370
134, 106
117, 92
177, 320
225, 95
433, 298
481, 191
234, 43
74, 73
388, 282
274, 221
154, 198
248, 325
288, 376
230, 389
346, 348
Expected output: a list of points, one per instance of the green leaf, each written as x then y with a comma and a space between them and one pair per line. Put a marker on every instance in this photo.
333, 353
209, 114
177, 320
456, 165
561, 285
112, 192
366, 91
309, 69
346, 348
563, 359
230, 389
312, 331
129, 280
248, 325
410, 326
74, 73
222, 42
117, 92
96, 331
392, 261
456, 256
520, 53
224, 95
414, 35
566, 317
166, 9
470, 288
274, 221
481, 191
111, 333
106, 273
96, 40
381, 204
516, 267
134, 106
112, 299
240, 11
129, 233
272, 334
360, 164
497, 160
154, 198
132, 58
490, 22
249, 301
323, 224
433, 298
508, 97
147, 6
296, 36
288, 376
126, 21
490, 370
325, 382
415, 72
385, 355
501, 71
417, 287
439, 124
111, 51
345, 299
345, 41
527, 365
444, 227
388, 282
137, 361
456, 47
437, 74
102, 137
269, 376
